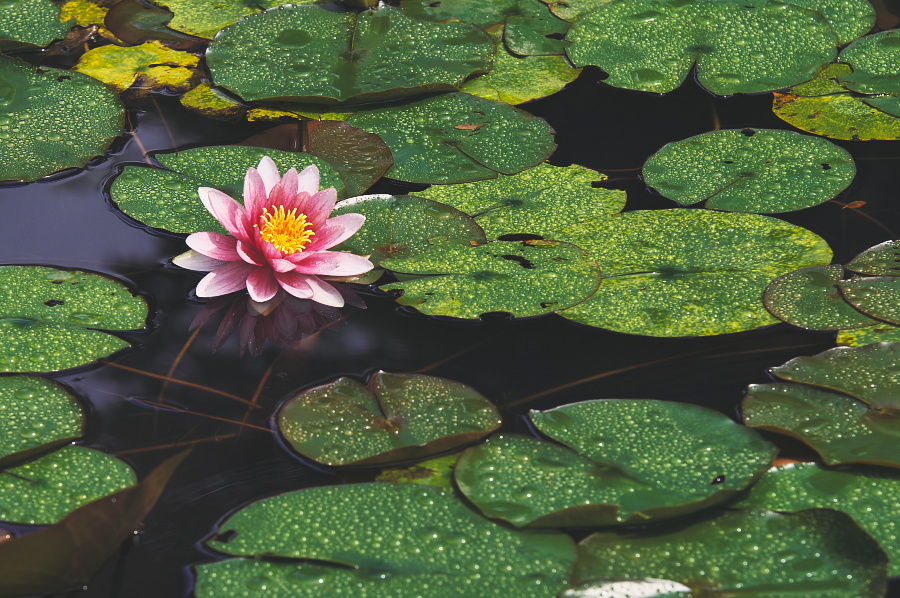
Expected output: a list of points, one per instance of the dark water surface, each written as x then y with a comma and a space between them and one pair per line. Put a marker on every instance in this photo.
521, 364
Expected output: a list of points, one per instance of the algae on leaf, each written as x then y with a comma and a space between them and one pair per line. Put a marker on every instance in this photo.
150, 67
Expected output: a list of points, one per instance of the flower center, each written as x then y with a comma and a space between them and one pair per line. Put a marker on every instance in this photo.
289, 232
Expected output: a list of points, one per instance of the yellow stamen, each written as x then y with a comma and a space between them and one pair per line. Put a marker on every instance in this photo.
288, 232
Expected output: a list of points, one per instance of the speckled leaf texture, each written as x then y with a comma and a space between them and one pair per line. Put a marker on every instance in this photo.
53, 319
25, 23
148, 67
204, 18
398, 540
483, 13
687, 272
537, 201
818, 553
876, 296
631, 461
458, 138
883, 259
849, 18
396, 417
526, 278
870, 495
168, 200
875, 74
307, 53
35, 412
52, 120
739, 46
750, 170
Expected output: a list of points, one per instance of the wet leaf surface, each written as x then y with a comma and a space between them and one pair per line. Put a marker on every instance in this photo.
522, 278
483, 13
849, 18
750, 170
537, 201
401, 226
631, 588
136, 22
148, 67
873, 59
168, 200
35, 412
204, 18
877, 296
458, 138
536, 31
811, 298
26, 23
687, 272
360, 158
631, 461
870, 495
396, 417
883, 259
52, 319
436, 472
398, 539
307, 53
739, 46
816, 553
871, 334
570, 10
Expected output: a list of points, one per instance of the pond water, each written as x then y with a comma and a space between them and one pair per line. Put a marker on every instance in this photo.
171, 390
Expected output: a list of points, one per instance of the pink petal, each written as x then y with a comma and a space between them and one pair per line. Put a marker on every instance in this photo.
269, 173
214, 245
336, 230
255, 195
324, 293
227, 211
226, 279
250, 254
320, 206
308, 180
281, 265
192, 260
295, 284
287, 186
334, 263
300, 202
261, 284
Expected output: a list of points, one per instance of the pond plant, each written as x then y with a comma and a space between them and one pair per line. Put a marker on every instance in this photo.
454, 335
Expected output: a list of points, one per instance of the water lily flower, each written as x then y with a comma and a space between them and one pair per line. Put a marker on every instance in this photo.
279, 238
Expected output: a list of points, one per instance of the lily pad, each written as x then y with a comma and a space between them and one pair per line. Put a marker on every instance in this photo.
51, 120
36, 413
883, 259
395, 418
873, 59
401, 226
535, 32
824, 107
570, 10
876, 296
818, 553
687, 272
204, 18
458, 138
739, 46
483, 13
627, 461
212, 103
537, 201
871, 496
838, 427
436, 472
381, 540
136, 22
849, 18
49, 488
307, 53
871, 334
628, 588
52, 319
26, 23
526, 278
168, 200
148, 67
86, 14
751, 170
811, 298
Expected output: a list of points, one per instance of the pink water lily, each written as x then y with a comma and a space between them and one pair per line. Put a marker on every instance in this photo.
279, 238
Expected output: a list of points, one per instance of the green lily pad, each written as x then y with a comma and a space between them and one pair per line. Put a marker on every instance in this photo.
35, 413
382, 540
212, 103
307, 53
866, 336
204, 18
458, 138
631, 461
866, 373
395, 418
25, 23
52, 120
49, 488
136, 22
400, 226
876, 296
570, 10
882, 259
436, 472
483, 13
753, 170
818, 553
52, 319
148, 67
849, 18
871, 496
839, 428
687, 272
537, 201
810, 298
526, 278
873, 59
824, 107
628, 588
168, 200
739, 46
535, 32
